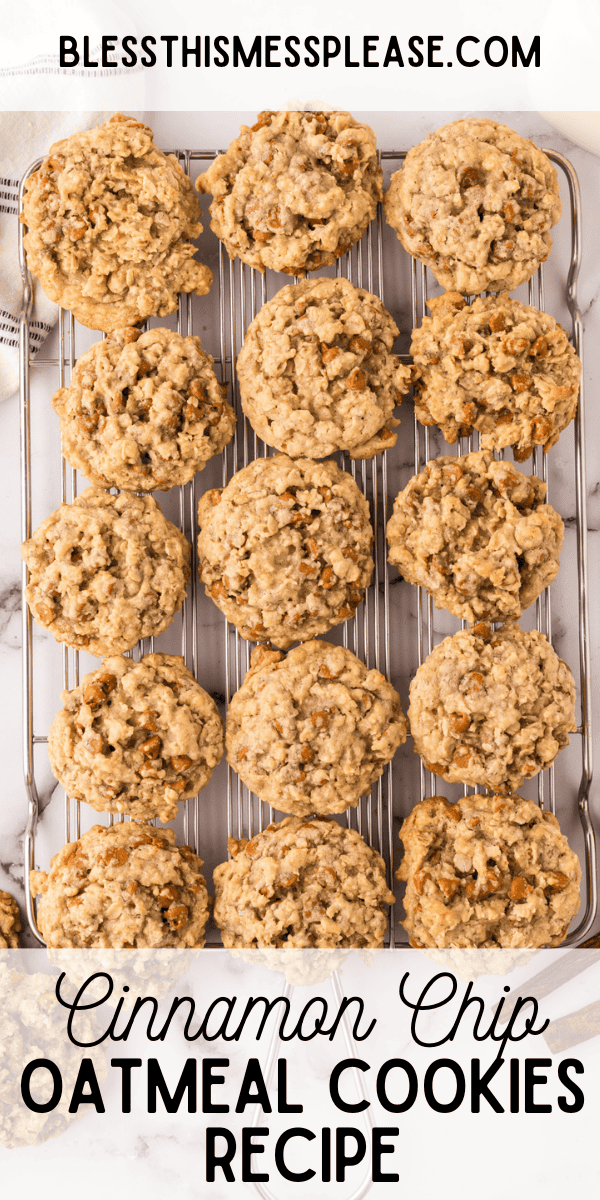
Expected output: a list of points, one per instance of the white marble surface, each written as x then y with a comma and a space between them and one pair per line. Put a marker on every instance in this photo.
209, 131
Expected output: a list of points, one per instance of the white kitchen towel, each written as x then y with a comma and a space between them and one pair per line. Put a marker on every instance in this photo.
31, 75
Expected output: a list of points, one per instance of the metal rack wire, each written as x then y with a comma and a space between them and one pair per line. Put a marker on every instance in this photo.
371, 632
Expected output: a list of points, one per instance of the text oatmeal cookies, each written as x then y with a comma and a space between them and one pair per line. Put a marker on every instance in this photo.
143, 411
294, 191
498, 366
128, 886
285, 548
136, 738
492, 708
10, 922
106, 571
475, 202
302, 884
477, 535
487, 871
312, 731
316, 372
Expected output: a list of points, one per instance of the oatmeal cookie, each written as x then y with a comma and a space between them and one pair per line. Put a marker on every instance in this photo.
311, 732
126, 887
487, 871
316, 372
136, 738
110, 220
498, 366
302, 884
492, 708
106, 571
285, 548
477, 535
475, 202
10, 922
295, 190
143, 411
33, 1026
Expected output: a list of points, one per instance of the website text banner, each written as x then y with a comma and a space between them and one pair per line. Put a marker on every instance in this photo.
133, 55
342, 1070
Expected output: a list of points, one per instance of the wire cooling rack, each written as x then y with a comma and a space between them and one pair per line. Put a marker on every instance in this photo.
393, 630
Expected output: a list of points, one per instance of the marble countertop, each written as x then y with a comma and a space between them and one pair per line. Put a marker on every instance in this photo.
212, 131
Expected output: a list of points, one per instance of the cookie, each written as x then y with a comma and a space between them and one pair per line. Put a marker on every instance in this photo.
110, 221
477, 535
498, 366
492, 708
302, 884
312, 731
10, 922
33, 1027
295, 190
136, 738
475, 202
128, 886
106, 571
143, 411
285, 548
487, 871
316, 372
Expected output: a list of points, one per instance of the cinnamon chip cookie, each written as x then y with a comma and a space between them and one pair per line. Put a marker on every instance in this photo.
126, 887
316, 372
33, 1025
487, 871
492, 708
143, 411
285, 548
311, 732
295, 190
110, 220
475, 202
106, 571
10, 922
302, 884
477, 535
498, 366
136, 738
